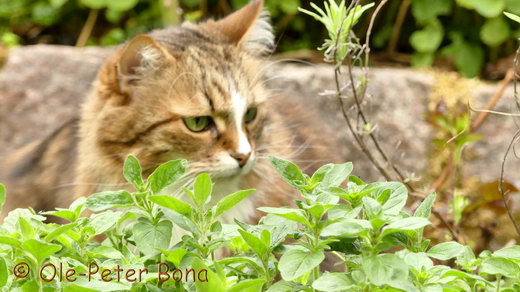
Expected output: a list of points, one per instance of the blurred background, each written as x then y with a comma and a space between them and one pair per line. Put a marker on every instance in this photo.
472, 37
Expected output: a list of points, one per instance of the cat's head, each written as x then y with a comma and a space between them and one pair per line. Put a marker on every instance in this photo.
194, 92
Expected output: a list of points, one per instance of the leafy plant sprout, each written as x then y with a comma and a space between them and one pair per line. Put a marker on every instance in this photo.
337, 45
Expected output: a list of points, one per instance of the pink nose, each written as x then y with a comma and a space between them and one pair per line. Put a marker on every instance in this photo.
241, 158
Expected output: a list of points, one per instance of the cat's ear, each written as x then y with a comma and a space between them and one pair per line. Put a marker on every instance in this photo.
142, 55
249, 27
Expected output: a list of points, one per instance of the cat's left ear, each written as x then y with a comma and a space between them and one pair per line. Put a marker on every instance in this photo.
249, 27
141, 57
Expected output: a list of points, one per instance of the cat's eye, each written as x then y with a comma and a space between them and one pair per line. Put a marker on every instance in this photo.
250, 115
198, 124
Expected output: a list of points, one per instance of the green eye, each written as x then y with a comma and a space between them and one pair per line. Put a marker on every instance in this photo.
250, 115
197, 124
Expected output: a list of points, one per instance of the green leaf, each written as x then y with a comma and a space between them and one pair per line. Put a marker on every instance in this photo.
182, 221
489, 8
424, 11
251, 285
121, 5
346, 227
397, 199
422, 59
512, 16
94, 4
2, 197
256, 244
284, 286
319, 175
4, 274
177, 255
446, 250
105, 221
513, 6
289, 172
149, 237
85, 285
511, 252
132, 169
297, 262
331, 175
425, 208
469, 57
58, 231
10, 241
171, 203
467, 258
202, 189
40, 249
62, 213
166, 174
58, 3
45, 14
500, 266
291, 214
213, 282
103, 251
385, 269
410, 223
418, 261
495, 31
26, 229
429, 38
109, 199
11, 221
333, 282
371, 207
230, 201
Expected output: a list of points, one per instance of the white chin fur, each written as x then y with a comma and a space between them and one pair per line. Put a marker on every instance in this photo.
228, 166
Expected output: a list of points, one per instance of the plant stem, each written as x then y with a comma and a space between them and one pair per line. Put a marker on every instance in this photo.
493, 101
86, 31
515, 139
403, 10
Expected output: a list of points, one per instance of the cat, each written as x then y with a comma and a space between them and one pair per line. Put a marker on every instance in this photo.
194, 92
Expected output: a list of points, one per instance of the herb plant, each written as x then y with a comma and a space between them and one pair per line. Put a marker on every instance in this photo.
339, 235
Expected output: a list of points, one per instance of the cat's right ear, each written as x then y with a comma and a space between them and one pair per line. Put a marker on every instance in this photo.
141, 56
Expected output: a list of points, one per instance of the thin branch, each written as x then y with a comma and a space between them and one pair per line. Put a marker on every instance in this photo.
86, 31
515, 139
445, 174
396, 32
494, 112
360, 112
493, 101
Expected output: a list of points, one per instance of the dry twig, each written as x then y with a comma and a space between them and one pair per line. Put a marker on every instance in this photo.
515, 139
86, 31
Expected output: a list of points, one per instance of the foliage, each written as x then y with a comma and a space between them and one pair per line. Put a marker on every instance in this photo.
447, 29
466, 33
338, 25
376, 243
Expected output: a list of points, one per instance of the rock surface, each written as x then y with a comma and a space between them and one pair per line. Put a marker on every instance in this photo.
43, 86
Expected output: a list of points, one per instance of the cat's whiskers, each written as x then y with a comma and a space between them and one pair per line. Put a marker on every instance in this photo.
270, 64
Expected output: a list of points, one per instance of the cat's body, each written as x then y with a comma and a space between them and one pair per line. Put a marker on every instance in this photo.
195, 92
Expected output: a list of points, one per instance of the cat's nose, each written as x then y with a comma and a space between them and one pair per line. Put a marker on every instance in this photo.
241, 158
